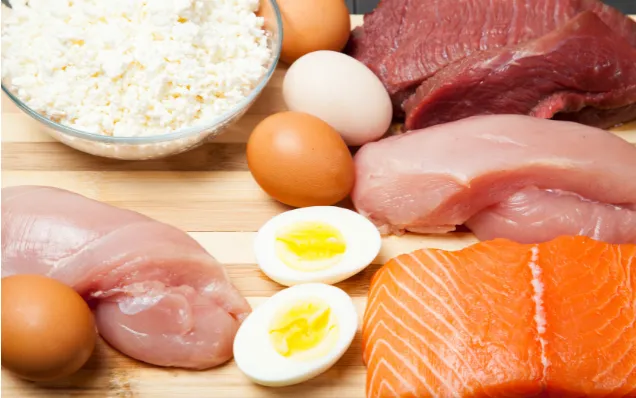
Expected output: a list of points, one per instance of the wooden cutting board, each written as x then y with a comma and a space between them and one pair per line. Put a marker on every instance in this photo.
210, 193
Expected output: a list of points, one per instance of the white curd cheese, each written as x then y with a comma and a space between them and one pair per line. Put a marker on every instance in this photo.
133, 67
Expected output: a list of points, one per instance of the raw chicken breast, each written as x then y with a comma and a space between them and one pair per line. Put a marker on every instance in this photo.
535, 215
159, 297
435, 179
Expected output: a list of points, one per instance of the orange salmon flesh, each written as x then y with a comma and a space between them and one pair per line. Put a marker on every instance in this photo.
502, 319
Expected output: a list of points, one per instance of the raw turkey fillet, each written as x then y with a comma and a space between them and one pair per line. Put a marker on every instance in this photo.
479, 169
502, 319
159, 296
406, 42
535, 215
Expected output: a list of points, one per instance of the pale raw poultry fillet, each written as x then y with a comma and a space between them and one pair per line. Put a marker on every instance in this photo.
159, 297
538, 215
502, 319
433, 180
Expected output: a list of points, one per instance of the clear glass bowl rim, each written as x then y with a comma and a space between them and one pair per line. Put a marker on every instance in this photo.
175, 135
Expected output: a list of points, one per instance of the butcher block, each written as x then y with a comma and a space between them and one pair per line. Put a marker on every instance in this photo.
210, 193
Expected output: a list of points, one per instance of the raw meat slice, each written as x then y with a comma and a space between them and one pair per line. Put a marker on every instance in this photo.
411, 41
453, 324
502, 319
582, 64
534, 215
159, 297
600, 117
373, 42
590, 313
376, 40
434, 179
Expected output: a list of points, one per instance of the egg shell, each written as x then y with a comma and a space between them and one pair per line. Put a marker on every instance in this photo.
48, 330
362, 238
256, 357
341, 91
310, 25
300, 160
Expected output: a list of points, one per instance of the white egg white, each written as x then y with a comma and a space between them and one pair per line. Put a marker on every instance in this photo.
255, 355
363, 243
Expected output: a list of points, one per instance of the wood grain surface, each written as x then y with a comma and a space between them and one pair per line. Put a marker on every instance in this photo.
210, 193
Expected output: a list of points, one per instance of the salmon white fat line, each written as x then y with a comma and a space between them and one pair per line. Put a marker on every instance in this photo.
537, 297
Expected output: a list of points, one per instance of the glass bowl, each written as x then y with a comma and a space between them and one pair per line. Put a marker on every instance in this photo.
158, 146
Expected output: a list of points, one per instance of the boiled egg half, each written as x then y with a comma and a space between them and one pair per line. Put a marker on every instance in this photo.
324, 244
295, 335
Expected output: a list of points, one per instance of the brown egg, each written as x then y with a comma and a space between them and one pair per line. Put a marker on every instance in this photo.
300, 160
48, 331
310, 25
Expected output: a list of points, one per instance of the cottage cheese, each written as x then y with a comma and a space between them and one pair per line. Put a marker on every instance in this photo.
133, 67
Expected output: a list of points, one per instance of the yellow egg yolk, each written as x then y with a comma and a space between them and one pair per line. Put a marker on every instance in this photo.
305, 330
310, 246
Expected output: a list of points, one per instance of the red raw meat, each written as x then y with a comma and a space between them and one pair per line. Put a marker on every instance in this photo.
582, 65
405, 42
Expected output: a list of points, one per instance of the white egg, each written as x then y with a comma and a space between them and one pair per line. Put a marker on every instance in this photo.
325, 244
295, 335
343, 92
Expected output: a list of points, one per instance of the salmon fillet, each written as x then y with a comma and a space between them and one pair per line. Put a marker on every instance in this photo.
503, 319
